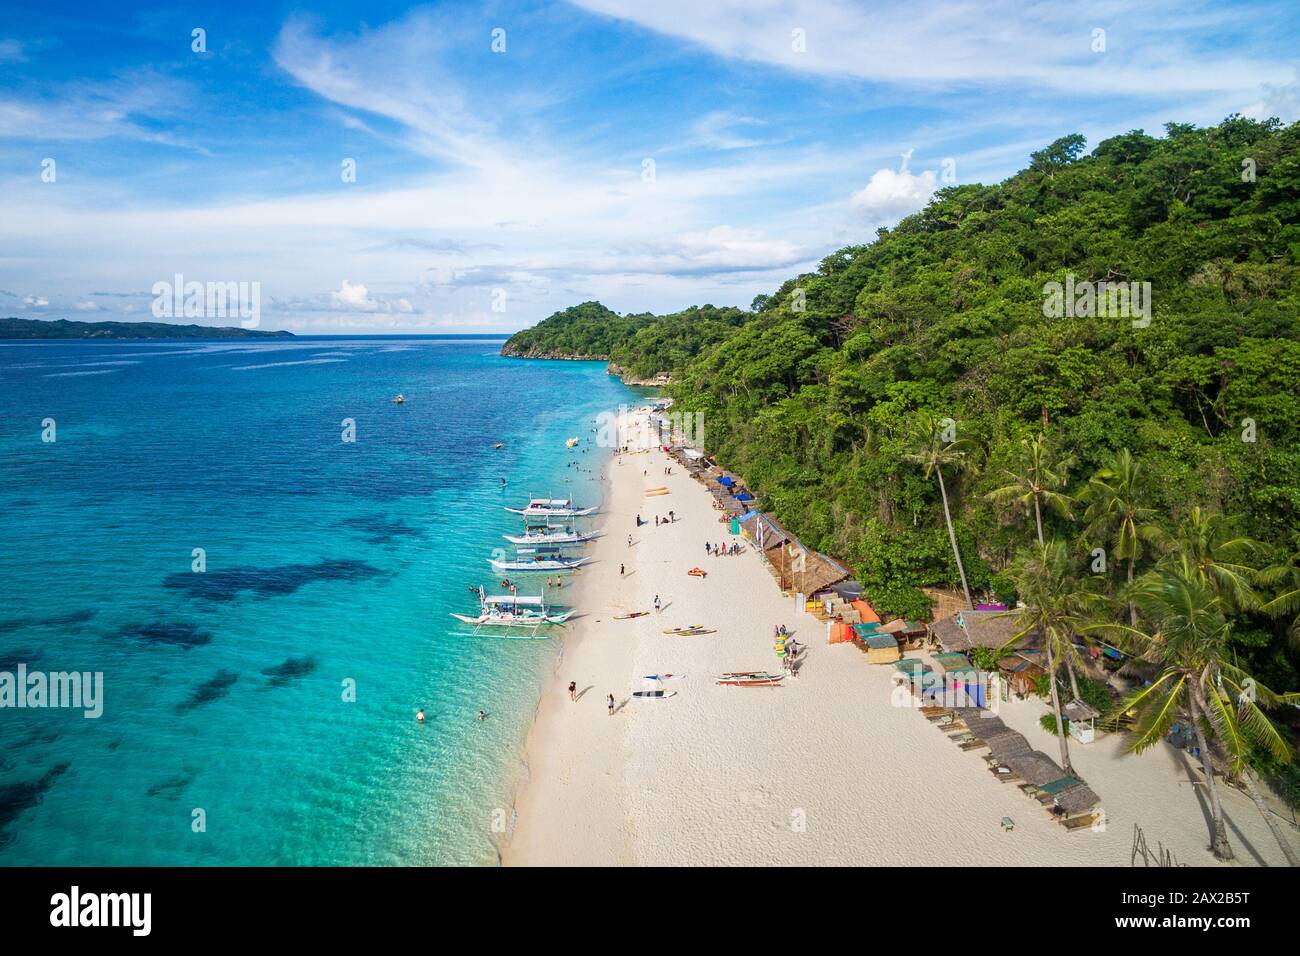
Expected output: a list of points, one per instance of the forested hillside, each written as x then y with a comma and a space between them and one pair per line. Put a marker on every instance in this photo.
936, 345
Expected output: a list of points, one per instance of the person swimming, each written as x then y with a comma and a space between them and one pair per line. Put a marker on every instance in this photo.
419, 715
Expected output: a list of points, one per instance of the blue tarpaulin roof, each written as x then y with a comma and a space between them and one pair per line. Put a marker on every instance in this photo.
744, 496
727, 480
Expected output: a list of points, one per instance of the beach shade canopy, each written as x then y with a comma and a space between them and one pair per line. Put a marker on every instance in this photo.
727, 480
847, 590
744, 496
692, 454
869, 615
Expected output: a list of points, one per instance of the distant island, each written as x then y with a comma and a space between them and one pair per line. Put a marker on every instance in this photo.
13, 328
642, 349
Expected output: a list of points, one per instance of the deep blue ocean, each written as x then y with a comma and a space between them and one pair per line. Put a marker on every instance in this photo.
328, 564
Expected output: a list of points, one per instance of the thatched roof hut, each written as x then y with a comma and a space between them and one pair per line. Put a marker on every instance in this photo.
1035, 767
967, 629
1077, 799
948, 634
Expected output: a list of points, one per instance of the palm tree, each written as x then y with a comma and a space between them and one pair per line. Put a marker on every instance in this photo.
927, 446
1191, 647
1035, 479
1058, 605
1208, 544
1115, 511
1287, 600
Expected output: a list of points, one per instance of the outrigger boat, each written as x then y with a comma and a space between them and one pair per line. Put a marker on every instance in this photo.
513, 610
545, 558
552, 536
750, 678
551, 508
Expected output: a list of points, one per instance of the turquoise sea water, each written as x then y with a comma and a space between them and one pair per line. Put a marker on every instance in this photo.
326, 561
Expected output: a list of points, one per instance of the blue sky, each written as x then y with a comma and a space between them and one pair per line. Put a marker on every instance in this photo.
776, 131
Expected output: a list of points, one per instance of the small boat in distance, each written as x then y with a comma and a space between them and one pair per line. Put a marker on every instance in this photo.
572, 442
551, 508
400, 399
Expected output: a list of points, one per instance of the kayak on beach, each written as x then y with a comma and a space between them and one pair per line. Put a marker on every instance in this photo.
654, 694
624, 617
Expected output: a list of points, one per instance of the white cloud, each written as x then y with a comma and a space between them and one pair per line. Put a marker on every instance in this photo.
36, 301
992, 43
86, 307
890, 194
353, 297
1282, 101
398, 71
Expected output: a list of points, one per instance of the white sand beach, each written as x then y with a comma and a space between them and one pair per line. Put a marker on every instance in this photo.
823, 770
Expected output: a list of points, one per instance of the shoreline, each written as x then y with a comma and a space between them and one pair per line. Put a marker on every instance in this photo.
823, 770
553, 698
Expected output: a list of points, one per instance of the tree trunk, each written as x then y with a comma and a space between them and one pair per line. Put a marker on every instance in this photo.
1056, 709
1132, 608
1074, 681
1222, 850
1038, 517
1252, 788
952, 536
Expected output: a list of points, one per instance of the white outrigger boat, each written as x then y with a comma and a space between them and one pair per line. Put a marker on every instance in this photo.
539, 559
551, 508
513, 610
539, 536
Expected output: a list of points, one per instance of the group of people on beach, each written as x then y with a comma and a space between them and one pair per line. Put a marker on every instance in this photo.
671, 519
573, 696
723, 550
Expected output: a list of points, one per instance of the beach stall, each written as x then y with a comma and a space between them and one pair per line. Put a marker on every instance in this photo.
881, 648
1083, 720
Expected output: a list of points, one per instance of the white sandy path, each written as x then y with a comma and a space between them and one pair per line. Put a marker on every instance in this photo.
824, 770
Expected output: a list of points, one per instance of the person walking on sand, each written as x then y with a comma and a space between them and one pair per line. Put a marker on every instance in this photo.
573, 691
629, 541
656, 604
611, 705
620, 571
